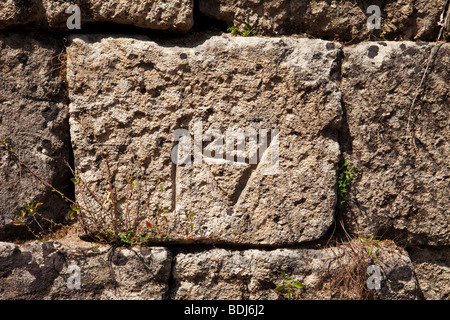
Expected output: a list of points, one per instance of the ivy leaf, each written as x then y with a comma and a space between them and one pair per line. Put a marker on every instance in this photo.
17, 222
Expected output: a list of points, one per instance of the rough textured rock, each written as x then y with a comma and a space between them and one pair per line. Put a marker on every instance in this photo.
145, 101
170, 15
221, 274
400, 188
343, 19
34, 118
432, 269
37, 271
128, 96
446, 26
19, 13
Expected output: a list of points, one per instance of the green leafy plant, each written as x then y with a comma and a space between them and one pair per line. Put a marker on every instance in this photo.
343, 181
233, 30
291, 286
31, 210
189, 217
124, 224
248, 30
371, 246
126, 227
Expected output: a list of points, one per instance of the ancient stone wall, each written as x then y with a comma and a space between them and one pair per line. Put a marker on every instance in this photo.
186, 149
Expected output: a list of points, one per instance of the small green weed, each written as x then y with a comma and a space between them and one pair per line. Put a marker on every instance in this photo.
343, 181
248, 30
291, 286
31, 210
123, 228
371, 246
233, 30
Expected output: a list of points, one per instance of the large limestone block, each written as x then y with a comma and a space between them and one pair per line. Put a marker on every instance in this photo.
336, 19
170, 15
329, 273
51, 271
34, 118
129, 95
399, 151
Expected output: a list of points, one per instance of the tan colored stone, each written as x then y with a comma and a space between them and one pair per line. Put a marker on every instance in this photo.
325, 273
432, 269
399, 151
336, 19
171, 15
129, 95
167, 15
15, 13
49, 271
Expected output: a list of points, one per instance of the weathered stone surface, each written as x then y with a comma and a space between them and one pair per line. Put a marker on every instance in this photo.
37, 271
129, 95
18, 13
331, 273
33, 117
343, 19
401, 185
171, 15
446, 26
432, 269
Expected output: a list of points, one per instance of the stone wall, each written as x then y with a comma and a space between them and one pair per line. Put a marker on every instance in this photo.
166, 92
